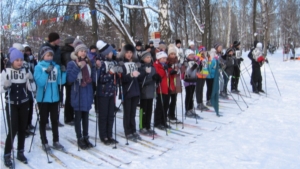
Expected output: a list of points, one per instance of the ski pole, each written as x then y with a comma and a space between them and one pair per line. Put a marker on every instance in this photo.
4, 119
97, 109
154, 105
37, 119
10, 125
115, 83
244, 82
79, 83
163, 107
182, 105
274, 80
230, 92
265, 80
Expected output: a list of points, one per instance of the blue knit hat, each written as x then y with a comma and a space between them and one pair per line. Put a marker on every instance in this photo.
15, 54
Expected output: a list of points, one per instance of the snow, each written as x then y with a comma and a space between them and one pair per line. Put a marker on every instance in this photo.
266, 135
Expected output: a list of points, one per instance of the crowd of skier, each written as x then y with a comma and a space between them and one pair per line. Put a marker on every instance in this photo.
74, 77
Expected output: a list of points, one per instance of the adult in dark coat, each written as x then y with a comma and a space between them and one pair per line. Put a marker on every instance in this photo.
66, 51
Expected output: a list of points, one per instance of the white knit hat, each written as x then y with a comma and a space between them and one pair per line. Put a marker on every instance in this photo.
18, 46
172, 49
189, 52
259, 45
100, 44
191, 43
161, 54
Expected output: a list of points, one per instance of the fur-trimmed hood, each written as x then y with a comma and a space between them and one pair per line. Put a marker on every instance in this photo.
73, 56
126, 48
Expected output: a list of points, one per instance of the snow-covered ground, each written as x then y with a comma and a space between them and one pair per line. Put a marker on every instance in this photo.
265, 135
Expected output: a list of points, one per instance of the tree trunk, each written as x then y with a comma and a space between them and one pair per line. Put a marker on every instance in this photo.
185, 25
94, 22
207, 21
254, 18
229, 24
164, 21
265, 18
122, 11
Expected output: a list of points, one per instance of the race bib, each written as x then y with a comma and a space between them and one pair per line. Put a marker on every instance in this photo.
130, 67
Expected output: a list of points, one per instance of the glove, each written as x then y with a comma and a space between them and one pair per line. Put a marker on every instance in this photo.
241, 59
81, 64
135, 74
148, 70
156, 78
29, 76
62, 68
267, 61
138, 64
49, 69
166, 67
173, 72
6, 84
98, 64
25, 65
113, 70
194, 66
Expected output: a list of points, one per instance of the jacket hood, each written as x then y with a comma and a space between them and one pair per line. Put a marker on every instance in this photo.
73, 56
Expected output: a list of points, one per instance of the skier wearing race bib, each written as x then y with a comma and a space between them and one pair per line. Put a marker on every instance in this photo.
15, 81
131, 90
46, 75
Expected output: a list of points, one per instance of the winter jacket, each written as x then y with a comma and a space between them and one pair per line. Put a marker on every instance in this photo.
31, 63
174, 79
203, 67
66, 54
212, 64
255, 64
153, 54
81, 97
128, 81
49, 82
106, 86
56, 50
19, 85
164, 74
228, 64
147, 84
188, 75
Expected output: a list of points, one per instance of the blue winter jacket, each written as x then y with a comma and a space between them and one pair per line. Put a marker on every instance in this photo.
105, 80
48, 84
81, 97
211, 68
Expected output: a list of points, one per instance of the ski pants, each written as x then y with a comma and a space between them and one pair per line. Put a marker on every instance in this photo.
106, 116
129, 106
18, 123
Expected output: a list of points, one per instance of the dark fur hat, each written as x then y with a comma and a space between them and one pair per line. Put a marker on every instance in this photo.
127, 47
177, 41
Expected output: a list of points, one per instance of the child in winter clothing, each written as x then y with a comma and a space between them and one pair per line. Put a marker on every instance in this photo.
29, 64
211, 66
131, 91
219, 54
46, 75
79, 74
163, 98
173, 77
237, 64
14, 83
147, 85
257, 59
202, 74
106, 86
227, 66
189, 77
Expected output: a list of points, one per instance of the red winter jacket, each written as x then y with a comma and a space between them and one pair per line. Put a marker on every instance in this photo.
167, 81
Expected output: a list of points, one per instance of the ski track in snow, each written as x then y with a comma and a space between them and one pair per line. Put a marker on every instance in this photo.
266, 135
